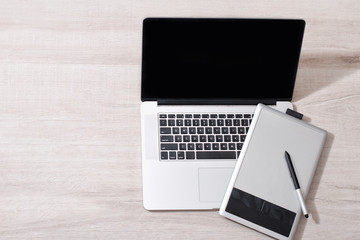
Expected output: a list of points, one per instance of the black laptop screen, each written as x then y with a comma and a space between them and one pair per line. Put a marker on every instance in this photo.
220, 58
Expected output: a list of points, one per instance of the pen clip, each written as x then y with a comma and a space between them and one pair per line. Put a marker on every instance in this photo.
294, 114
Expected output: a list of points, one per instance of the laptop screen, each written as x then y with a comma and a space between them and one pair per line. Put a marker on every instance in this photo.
220, 58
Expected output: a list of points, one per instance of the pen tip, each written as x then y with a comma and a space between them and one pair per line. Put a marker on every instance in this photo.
307, 215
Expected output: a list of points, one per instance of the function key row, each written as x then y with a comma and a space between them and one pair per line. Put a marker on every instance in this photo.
205, 122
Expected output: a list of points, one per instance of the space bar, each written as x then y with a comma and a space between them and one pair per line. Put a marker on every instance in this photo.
216, 155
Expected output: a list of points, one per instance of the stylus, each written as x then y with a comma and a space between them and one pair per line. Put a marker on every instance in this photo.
296, 184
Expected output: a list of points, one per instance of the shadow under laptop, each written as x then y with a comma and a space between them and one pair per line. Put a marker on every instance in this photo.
320, 70
313, 213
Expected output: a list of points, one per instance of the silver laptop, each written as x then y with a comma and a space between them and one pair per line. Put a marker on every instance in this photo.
201, 82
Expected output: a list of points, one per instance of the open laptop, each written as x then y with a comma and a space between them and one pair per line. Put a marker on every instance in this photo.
201, 82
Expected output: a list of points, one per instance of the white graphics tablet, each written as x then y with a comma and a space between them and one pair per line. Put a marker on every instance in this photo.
261, 193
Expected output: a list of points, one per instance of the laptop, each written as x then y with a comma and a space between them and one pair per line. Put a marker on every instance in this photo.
201, 82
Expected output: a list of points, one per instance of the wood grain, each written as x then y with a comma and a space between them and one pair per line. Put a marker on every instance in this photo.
70, 154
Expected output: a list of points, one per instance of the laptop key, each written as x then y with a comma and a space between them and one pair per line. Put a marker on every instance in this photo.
169, 146
241, 130
216, 155
172, 155
207, 146
163, 123
181, 155
215, 146
184, 130
190, 146
244, 122
164, 155
194, 138
182, 146
190, 155
166, 138
224, 130
165, 130
179, 122
208, 130
171, 122
200, 130
235, 138
175, 130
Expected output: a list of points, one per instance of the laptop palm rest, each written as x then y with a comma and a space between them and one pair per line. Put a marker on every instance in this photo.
213, 183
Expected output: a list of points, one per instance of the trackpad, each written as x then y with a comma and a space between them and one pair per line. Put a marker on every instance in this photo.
213, 183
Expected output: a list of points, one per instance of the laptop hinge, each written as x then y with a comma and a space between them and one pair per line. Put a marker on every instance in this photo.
215, 101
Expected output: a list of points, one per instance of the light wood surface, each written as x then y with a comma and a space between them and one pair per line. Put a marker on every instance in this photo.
70, 153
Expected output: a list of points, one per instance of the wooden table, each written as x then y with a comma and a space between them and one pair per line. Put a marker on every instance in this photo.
70, 154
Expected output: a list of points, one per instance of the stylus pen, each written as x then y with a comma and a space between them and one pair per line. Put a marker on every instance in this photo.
296, 184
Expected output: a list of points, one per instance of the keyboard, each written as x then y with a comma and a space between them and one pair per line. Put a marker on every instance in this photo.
202, 136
